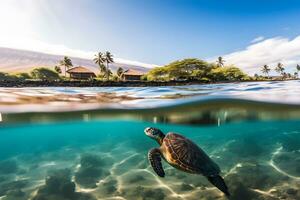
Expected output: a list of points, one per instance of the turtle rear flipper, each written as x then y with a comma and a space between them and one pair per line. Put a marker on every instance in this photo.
154, 157
219, 182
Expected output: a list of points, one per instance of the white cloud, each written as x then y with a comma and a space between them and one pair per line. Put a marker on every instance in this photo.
15, 18
258, 39
270, 52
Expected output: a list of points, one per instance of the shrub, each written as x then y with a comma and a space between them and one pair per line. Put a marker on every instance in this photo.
7, 77
44, 74
23, 76
229, 73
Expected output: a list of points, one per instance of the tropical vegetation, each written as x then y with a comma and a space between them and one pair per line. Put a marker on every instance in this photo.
298, 68
278, 69
220, 61
67, 63
190, 69
7, 77
120, 73
57, 69
101, 59
40, 73
43, 73
266, 70
196, 69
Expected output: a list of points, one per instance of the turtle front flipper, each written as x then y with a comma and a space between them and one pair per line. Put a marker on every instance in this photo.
154, 157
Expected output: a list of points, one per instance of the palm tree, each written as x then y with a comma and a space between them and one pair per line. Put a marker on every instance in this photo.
109, 73
108, 58
100, 59
280, 69
265, 70
220, 61
298, 68
120, 72
66, 62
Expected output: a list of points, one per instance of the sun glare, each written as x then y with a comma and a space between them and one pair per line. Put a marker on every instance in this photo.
15, 20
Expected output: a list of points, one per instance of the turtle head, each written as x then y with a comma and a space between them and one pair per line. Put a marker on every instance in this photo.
154, 133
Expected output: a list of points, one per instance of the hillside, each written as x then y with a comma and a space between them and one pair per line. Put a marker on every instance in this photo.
14, 60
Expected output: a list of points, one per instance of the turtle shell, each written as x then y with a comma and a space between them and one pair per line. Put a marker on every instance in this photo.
187, 156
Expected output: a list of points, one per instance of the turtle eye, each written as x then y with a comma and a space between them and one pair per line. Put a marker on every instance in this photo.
148, 129
154, 131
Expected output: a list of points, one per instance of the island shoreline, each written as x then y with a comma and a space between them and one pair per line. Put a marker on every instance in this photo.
20, 84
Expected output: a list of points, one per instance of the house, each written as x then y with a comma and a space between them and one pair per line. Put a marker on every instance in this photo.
132, 75
80, 73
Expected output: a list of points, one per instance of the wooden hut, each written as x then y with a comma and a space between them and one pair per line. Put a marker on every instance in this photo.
81, 73
132, 75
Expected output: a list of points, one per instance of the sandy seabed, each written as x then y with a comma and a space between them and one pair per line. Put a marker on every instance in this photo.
119, 172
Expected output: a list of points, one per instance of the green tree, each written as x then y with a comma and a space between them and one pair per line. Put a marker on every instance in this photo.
186, 69
298, 68
195, 69
296, 74
220, 61
7, 77
157, 74
2, 76
228, 73
57, 69
266, 70
108, 58
284, 75
23, 76
43, 73
99, 60
66, 62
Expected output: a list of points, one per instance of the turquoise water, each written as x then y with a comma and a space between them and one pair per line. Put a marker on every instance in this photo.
102, 153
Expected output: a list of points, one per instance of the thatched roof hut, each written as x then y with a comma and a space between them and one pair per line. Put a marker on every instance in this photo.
132, 75
80, 73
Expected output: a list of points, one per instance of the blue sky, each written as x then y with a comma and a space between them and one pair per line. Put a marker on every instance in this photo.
155, 31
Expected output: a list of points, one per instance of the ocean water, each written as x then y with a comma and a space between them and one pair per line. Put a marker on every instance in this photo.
89, 143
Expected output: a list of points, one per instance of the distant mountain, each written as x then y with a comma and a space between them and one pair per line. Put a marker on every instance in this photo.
14, 60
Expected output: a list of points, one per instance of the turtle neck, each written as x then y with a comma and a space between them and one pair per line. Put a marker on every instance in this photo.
160, 139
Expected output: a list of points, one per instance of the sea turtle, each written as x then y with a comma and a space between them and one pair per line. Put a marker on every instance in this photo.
184, 155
